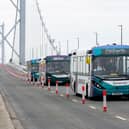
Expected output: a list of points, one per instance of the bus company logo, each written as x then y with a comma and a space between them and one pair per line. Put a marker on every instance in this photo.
58, 58
115, 51
120, 83
81, 81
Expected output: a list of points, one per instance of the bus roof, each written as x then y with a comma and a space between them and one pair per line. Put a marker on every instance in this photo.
111, 50
33, 61
112, 46
57, 57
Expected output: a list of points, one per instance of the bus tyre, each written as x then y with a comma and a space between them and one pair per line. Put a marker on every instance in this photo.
46, 83
128, 97
75, 90
86, 90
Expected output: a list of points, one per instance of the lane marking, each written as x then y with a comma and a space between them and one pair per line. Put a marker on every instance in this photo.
92, 107
61, 95
74, 100
121, 118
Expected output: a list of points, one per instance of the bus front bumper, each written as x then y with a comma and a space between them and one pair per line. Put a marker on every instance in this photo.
113, 92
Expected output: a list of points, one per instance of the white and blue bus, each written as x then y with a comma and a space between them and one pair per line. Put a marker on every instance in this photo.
33, 68
101, 68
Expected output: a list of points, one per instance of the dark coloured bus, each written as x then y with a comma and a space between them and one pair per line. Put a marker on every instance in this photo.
33, 68
56, 68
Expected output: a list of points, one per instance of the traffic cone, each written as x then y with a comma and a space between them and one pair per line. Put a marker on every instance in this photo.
104, 101
67, 90
83, 95
56, 87
49, 86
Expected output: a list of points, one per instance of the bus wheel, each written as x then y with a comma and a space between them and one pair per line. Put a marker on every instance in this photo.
46, 83
86, 90
75, 90
128, 97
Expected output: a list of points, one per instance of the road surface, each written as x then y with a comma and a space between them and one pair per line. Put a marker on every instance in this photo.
37, 108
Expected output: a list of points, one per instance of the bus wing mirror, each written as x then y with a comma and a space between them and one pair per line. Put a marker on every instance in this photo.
87, 60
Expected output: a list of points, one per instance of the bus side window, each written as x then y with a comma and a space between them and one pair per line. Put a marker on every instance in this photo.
128, 66
78, 64
87, 65
74, 64
83, 65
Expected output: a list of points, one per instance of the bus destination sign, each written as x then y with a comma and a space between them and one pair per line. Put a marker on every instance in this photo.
58, 58
116, 52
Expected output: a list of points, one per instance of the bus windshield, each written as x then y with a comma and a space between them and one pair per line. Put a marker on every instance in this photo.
113, 65
58, 67
35, 67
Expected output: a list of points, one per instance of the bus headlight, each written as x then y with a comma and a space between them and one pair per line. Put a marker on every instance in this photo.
99, 86
49, 77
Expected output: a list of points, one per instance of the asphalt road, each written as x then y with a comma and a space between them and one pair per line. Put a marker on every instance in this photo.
37, 108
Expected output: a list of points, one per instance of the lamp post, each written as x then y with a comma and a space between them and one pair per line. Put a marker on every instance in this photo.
121, 29
67, 46
59, 48
78, 42
2, 43
96, 38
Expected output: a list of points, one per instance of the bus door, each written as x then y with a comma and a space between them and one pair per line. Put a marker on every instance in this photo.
88, 77
83, 76
73, 72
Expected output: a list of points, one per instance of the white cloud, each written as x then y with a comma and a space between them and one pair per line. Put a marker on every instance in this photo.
69, 19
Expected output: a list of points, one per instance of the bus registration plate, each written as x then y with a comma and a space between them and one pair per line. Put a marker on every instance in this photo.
117, 93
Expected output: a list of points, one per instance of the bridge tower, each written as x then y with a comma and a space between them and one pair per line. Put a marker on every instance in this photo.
3, 54
22, 34
2, 43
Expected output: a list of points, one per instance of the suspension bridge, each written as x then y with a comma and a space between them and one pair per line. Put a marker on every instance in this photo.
24, 44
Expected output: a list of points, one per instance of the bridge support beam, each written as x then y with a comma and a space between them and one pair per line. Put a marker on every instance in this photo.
2, 44
3, 52
22, 32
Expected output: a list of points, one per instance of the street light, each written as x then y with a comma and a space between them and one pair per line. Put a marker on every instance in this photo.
121, 26
78, 42
96, 38
67, 46
59, 47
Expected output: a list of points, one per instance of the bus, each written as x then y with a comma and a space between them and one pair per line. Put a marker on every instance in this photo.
33, 68
56, 68
101, 68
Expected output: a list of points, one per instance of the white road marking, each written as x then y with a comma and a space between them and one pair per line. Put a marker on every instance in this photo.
92, 107
74, 100
121, 118
61, 95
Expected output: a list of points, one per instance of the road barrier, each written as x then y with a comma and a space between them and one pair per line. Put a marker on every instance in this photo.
56, 87
104, 101
67, 90
33, 81
38, 82
49, 85
83, 95
27, 78
42, 81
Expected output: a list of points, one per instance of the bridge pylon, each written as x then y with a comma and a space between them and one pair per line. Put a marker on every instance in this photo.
2, 44
22, 32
